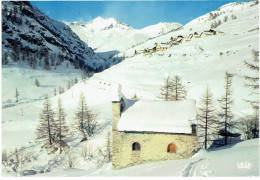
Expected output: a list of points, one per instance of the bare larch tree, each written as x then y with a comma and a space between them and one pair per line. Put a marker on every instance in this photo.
16, 94
166, 90
61, 128
46, 126
85, 119
225, 105
178, 89
208, 124
252, 82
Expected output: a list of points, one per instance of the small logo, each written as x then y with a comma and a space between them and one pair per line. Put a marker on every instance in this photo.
244, 165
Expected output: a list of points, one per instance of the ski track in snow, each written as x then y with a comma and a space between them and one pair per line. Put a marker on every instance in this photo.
143, 170
142, 75
189, 170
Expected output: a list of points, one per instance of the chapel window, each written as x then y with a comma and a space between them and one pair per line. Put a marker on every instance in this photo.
171, 148
136, 146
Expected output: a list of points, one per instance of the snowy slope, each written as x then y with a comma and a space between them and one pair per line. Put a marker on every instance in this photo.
241, 160
22, 77
160, 29
33, 32
113, 36
199, 62
237, 15
243, 11
32, 35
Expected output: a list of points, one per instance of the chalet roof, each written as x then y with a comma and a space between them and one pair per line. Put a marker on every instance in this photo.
180, 36
159, 116
212, 30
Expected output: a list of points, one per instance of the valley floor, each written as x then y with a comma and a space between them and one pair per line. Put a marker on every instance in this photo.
241, 159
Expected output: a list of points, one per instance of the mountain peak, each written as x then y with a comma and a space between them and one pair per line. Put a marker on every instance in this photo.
100, 19
100, 23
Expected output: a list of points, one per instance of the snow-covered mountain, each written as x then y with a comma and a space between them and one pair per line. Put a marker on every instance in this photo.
112, 36
27, 32
226, 17
160, 29
200, 62
231, 19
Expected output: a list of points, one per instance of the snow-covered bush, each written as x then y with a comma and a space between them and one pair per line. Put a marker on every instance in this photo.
86, 152
17, 160
225, 19
233, 16
71, 160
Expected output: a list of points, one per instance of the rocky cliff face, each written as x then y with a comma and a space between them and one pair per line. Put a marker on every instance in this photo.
30, 35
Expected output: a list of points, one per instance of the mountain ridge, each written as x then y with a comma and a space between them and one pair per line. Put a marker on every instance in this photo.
115, 35
26, 30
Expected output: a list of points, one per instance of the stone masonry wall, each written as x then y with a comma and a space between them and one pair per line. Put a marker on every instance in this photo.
153, 145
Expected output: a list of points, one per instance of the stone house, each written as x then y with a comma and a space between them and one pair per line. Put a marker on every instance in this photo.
194, 36
160, 48
205, 33
179, 37
148, 131
190, 36
183, 40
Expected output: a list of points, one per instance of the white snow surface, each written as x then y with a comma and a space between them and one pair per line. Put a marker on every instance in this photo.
156, 116
108, 36
198, 62
241, 160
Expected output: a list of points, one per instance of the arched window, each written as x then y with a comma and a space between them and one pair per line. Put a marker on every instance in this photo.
136, 146
171, 148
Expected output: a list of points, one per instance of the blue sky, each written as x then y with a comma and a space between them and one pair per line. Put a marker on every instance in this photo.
137, 14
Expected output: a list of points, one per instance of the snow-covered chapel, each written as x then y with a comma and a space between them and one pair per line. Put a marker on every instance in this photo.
147, 131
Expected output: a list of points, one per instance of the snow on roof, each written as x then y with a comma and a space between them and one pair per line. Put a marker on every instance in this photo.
155, 116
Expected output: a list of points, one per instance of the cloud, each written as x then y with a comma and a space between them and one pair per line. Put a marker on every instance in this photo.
136, 14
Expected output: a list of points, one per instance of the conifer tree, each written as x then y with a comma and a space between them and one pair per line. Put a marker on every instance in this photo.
208, 121
46, 62
75, 80
33, 62
46, 127
178, 89
14, 55
60, 121
252, 82
52, 59
5, 59
55, 92
85, 120
60, 90
166, 90
17, 95
68, 85
225, 105
37, 82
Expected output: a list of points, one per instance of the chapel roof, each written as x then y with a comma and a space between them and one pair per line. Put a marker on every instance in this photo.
159, 116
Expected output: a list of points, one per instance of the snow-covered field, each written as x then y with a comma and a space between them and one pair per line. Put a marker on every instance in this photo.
241, 160
199, 62
23, 77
